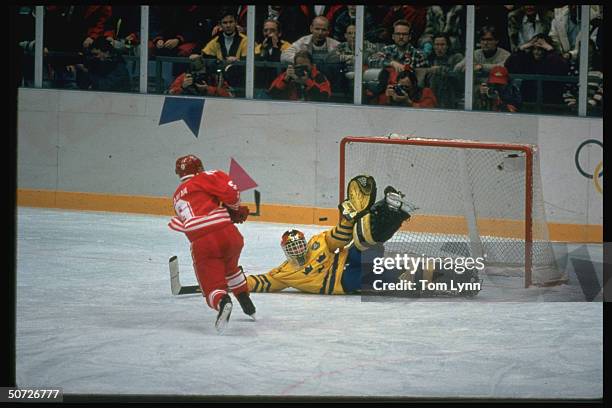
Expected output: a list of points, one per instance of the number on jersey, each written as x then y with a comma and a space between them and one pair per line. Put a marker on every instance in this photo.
183, 209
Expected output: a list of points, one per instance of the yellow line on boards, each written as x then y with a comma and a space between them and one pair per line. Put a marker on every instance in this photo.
300, 215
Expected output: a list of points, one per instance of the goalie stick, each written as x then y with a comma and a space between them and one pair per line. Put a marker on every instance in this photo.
175, 282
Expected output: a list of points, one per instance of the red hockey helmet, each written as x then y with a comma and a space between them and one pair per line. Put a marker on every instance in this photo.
294, 246
188, 165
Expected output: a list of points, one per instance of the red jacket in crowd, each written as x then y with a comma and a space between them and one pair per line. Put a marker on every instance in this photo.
316, 88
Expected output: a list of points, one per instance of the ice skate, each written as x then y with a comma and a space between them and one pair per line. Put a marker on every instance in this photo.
225, 310
247, 304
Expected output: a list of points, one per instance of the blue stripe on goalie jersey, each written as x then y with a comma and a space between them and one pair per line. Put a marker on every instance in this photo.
325, 289
322, 290
260, 280
332, 281
264, 277
360, 232
256, 288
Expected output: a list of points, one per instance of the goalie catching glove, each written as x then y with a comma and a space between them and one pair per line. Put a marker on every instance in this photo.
238, 216
360, 195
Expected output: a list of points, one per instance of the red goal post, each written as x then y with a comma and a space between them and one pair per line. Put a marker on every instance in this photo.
480, 198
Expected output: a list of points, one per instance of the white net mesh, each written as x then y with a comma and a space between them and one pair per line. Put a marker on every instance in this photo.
472, 202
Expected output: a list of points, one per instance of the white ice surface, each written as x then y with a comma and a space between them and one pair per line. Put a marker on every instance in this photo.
95, 316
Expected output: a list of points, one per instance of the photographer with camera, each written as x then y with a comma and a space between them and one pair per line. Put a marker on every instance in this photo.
270, 50
272, 45
498, 94
103, 69
122, 29
301, 81
406, 92
197, 81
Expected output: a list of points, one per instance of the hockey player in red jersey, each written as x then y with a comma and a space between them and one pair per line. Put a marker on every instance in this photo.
207, 204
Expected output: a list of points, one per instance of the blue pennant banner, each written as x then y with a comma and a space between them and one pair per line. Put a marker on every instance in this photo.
189, 110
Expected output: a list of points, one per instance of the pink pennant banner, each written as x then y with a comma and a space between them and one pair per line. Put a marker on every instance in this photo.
240, 177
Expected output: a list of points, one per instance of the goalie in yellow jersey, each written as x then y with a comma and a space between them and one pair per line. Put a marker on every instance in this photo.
327, 264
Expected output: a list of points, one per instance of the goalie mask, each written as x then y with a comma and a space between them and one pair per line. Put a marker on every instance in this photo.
188, 166
294, 246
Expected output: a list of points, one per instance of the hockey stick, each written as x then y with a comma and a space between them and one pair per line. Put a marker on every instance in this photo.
257, 201
175, 282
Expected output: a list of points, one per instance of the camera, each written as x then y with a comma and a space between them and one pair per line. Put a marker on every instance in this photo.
399, 90
199, 77
267, 42
302, 70
492, 93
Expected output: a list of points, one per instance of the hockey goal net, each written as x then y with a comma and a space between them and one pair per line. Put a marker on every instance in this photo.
475, 199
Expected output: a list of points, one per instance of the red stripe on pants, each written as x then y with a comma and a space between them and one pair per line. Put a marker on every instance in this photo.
215, 256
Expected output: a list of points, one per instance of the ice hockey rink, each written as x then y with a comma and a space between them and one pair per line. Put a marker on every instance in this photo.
95, 315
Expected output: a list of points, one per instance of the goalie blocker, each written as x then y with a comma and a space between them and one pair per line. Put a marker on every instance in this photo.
375, 223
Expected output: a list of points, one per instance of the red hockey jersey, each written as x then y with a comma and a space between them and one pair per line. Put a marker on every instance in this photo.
197, 203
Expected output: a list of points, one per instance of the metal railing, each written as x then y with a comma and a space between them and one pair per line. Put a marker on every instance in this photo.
159, 84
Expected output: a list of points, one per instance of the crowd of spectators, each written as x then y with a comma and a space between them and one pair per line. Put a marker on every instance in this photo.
415, 53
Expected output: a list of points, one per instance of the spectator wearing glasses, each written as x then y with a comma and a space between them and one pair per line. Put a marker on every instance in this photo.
496, 16
489, 55
401, 53
415, 16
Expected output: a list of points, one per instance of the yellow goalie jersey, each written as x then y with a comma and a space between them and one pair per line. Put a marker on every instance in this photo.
325, 258
321, 273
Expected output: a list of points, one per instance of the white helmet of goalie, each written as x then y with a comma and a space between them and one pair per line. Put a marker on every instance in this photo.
294, 245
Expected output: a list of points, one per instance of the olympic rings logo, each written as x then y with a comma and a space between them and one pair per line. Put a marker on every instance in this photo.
597, 172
